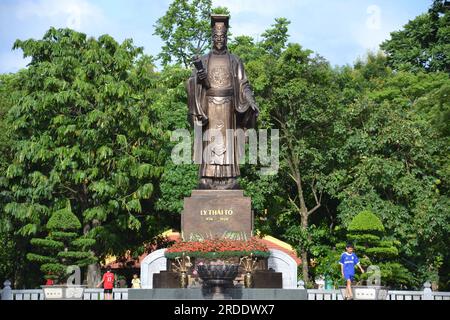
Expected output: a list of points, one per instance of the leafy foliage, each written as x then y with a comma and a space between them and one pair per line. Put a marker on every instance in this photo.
392, 161
367, 232
366, 221
88, 122
423, 44
183, 40
85, 131
61, 248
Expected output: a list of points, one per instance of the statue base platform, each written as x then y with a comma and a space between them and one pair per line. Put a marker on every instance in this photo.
262, 279
232, 294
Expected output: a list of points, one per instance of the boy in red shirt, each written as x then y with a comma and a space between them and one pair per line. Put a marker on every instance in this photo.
108, 283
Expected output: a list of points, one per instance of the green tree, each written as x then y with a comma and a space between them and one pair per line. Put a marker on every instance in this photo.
185, 30
297, 94
85, 131
305, 107
392, 162
423, 44
63, 246
276, 37
13, 247
177, 181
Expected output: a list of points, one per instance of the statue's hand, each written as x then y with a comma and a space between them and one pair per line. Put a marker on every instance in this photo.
200, 120
255, 108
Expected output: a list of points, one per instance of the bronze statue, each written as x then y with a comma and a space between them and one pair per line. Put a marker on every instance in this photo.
220, 102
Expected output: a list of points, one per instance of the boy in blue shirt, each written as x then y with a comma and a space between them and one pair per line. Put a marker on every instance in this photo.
348, 262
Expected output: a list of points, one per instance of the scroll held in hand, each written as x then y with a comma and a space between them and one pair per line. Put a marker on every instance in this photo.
201, 72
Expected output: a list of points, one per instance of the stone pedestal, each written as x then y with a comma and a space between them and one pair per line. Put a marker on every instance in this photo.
236, 294
267, 280
165, 280
211, 214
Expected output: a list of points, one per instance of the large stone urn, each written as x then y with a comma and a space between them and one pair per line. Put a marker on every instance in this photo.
217, 279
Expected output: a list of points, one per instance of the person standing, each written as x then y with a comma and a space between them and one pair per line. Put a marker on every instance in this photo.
108, 283
49, 281
136, 282
348, 262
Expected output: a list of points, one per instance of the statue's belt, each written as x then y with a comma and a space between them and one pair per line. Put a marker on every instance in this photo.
222, 93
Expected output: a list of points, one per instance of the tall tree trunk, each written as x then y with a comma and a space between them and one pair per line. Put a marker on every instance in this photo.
303, 210
93, 271
304, 252
305, 269
300, 203
304, 215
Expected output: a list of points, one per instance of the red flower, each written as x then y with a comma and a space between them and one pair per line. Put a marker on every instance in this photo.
224, 245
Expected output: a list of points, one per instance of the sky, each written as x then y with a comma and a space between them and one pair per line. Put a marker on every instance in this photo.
339, 30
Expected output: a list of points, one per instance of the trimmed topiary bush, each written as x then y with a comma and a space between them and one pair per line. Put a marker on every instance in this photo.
366, 231
62, 247
366, 221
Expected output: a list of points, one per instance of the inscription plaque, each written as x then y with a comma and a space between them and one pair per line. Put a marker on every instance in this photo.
210, 214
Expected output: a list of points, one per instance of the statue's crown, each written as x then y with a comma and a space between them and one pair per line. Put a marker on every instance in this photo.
220, 23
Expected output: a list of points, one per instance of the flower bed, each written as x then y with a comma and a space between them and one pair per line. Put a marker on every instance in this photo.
219, 249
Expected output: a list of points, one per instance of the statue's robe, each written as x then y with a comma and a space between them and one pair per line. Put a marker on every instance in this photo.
224, 106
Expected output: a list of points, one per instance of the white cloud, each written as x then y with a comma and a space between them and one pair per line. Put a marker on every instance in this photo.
376, 30
75, 14
373, 22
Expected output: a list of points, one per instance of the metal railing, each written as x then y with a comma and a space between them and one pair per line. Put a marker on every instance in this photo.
34, 294
88, 294
97, 294
392, 295
313, 294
